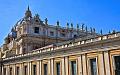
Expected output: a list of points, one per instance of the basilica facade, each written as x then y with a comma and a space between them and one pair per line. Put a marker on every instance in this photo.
34, 47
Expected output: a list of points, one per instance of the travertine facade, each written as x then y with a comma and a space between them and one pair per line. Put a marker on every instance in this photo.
33, 47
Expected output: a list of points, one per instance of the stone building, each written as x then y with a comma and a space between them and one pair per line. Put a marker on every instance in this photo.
33, 47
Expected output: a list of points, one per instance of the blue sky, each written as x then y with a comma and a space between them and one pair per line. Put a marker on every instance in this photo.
99, 14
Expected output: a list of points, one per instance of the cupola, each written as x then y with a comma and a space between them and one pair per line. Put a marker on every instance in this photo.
28, 13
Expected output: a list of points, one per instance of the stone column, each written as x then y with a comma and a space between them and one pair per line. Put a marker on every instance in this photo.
63, 66
38, 68
14, 69
7, 70
101, 63
66, 66
29, 68
107, 63
80, 65
21, 69
40, 62
49, 66
52, 66
84, 61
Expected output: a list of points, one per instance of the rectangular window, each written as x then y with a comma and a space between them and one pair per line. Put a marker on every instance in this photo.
10, 71
25, 70
117, 65
17, 70
34, 70
58, 68
45, 69
62, 35
4, 71
36, 29
44, 32
73, 68
51, 33
93, 66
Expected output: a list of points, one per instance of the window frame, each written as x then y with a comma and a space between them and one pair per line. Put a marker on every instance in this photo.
34, 69
113, 63
4, 71
25, 70
17, 70
70, 65
61, 35
89, 65
55, 66
36, 31
10, 71
73, 58
52, 33
43, 71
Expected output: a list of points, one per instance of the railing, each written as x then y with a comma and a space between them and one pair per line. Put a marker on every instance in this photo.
66, 45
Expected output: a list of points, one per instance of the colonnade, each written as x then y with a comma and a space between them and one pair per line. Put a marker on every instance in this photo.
82, 65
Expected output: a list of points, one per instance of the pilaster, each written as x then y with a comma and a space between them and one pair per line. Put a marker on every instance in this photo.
52, 66
63, 66
101, 63
40, 71
29, 68
66, 66
80, 65
14, 69
38, 68
84, 63
107, 62
7, 70
49, 66
21, 69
